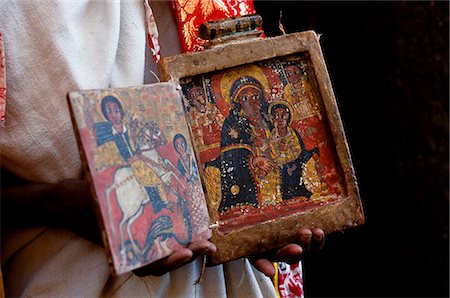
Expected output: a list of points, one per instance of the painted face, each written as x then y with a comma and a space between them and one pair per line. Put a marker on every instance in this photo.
250, 100
113, 113
197, 98
180, 145
294, 76
280, 117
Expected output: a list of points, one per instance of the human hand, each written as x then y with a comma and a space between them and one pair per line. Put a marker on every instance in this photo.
179, 258
308, 241
262, 164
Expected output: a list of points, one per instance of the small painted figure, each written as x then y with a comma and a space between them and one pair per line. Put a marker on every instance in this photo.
188, 168
294, 88
289, 152
206, 116
186, 163
297, 92
113, 130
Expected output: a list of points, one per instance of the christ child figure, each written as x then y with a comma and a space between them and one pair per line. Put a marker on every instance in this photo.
288, 151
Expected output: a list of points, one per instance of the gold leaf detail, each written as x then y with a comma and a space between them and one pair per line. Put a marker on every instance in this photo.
187, 8
183, 15
221, 5
190, 5
213, 189
189, 31
208, 6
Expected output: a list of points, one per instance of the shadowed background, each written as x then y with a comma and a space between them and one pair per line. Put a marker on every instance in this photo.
388, 63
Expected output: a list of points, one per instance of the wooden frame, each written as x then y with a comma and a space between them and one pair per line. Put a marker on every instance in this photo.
345, 211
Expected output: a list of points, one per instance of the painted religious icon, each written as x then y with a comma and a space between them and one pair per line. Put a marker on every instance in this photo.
268, 148
266, 131
141, 163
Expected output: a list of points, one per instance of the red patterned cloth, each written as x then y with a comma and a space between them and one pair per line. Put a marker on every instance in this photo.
152, 31
288, 280
190, 14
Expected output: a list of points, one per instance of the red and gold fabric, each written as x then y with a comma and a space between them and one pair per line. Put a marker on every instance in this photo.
288, 280
190, 14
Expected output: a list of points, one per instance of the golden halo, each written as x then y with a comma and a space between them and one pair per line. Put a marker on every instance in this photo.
282, 102
229, 77
109, 93
124, 96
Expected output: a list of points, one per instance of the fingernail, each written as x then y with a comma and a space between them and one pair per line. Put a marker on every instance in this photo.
305, 238
318, 237
206, 250
210, 249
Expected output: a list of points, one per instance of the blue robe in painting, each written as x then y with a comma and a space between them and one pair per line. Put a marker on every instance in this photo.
105, 133
291, 185
192, 171
237, 183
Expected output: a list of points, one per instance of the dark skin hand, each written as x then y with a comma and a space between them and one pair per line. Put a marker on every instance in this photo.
69, 205
178, 258
307, 242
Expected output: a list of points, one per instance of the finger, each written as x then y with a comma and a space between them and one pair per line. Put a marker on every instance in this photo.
164, 265
318, 239
269, 167
263, 265
202, 247
304, 236
290, 253
178, 258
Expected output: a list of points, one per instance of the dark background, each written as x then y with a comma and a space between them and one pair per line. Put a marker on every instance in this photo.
388, 63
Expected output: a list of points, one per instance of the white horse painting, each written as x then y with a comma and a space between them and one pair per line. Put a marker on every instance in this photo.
131, 196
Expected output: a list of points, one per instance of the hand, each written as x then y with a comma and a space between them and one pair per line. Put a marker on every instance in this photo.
308, 241
262, 164
291, 170
177, 259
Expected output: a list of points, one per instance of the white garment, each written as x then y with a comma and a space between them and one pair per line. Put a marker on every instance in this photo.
52, 48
